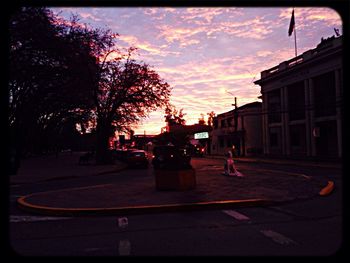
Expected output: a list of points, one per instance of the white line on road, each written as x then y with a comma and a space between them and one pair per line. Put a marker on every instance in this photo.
18, 219
123, 222
124, 247
277, 237
236, 215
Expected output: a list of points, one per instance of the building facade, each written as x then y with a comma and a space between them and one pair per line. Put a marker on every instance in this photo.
239, 128
303, 104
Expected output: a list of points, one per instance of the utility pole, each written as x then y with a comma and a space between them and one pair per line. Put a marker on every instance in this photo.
235, 114
235, 104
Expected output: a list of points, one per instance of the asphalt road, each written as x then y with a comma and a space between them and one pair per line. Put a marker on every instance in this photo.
305, 228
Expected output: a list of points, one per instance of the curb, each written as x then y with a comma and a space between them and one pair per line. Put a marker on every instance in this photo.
330, 166
280, 162
59, 211
327, 189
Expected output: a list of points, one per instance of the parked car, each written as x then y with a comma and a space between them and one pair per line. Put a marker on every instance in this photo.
171, 157
198, 150
137, 158
119, 154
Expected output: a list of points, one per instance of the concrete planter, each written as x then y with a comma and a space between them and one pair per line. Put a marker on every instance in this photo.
175, 179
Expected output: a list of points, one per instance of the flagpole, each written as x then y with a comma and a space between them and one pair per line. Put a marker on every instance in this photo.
295, 36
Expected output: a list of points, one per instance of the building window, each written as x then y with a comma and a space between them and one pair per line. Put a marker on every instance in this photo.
327, 141
275, 137
223, 123
215, 122
230, 122
274, 106
221, 142
297, 138
296, 101
324, 95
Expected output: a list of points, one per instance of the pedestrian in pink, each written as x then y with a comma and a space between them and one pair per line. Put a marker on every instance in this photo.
229, 166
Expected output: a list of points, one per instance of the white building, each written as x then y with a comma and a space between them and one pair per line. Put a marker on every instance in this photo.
241, 128
302, 103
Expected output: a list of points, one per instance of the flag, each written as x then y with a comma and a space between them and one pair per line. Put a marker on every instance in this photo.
336, 30
292, 24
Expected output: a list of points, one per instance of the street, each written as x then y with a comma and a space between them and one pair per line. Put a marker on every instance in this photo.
310, 227
176, 130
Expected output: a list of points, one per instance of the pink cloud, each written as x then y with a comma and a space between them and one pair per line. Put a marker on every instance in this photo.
181, 34
208, 54
305, 16
144, 46
90, 16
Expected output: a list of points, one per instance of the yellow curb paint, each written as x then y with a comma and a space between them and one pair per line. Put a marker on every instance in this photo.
61, 210
328, 189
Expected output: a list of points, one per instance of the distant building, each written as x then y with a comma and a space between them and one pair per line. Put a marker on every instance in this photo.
302, 103
143, 141
179, 134
240, 128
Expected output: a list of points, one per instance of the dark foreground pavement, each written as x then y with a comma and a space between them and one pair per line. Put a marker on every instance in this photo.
139, 194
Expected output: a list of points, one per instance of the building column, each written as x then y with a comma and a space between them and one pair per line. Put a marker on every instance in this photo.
265, 124
244, 136
308, 129
285, 122
338, 96
312, 117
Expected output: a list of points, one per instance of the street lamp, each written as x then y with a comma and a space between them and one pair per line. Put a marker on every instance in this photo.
235, 104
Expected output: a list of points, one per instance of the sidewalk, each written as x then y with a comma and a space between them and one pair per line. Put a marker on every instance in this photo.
308, 163
138, 194
50, 167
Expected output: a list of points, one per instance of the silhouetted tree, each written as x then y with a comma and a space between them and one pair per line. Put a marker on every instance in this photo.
47, 80
174, 116
201, 119
211, 116
127, 91
61, 71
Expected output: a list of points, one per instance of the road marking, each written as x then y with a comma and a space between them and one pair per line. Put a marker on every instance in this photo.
328, 189
277, 237
123, 222
18, 219
124, 247
236, 215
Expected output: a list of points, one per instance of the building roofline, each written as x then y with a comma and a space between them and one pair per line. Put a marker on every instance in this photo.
325, 48
254, 104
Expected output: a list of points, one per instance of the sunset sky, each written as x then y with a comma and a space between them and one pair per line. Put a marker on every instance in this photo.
209, 55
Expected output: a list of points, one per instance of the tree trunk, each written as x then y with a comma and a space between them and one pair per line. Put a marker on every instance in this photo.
15, 148
103, 155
